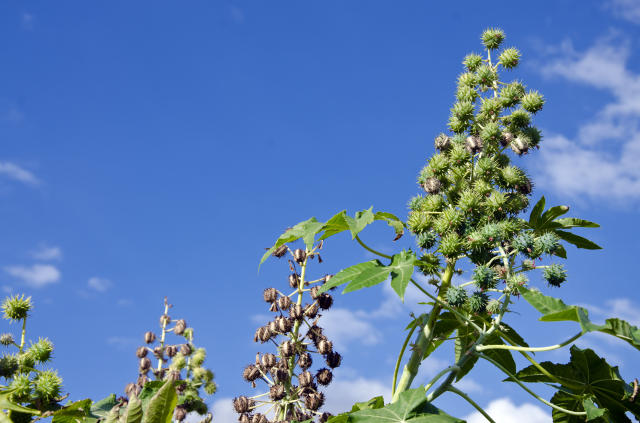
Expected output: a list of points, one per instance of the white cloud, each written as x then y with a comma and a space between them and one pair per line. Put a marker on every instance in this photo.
341, 394
13, 171
622, 308
343, 326
45, 252
36, 276
469, 385
222, 410
600, 161
27, 20
626, 9
99, 284
503, 410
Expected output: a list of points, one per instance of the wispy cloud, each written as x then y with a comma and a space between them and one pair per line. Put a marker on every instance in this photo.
27, 20
626, 9
503, 410
15, 172
45, 252
36, 276
601, 160
343, 393
99, 284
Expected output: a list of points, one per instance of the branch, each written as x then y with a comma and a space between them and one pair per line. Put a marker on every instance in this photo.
472, 402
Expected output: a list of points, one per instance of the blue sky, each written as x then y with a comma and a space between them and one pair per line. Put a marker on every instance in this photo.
156, 148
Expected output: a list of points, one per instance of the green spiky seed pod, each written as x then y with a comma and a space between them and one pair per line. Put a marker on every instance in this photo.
198, 357
178, 362
487, 76
210, 388
534, 136
509, 58
492, 232
516, 203
486, 167
491, 132
492, 38
518, 118
433, 203
467, 79
496, 201
429, 264
477, 302
484, 277
465, 93
47, 385
451, 245
16, 307
462, 110
555, 275
442, 142
416, 203
8, 365
41, 350
528, 264
482, 187
419, 222
22, 385
456, 296
511, 177
533, 102
6, 339
458, 126
494, 307
469, 201
511, 94
458, 154
472, 61
523, 243
199, 374
547, 243
490, 110
26, 362
438, 165
426, 240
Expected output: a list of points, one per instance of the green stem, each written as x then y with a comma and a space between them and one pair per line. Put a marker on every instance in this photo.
399, 360
533, 349
439, 375
164, 331
472, 402
24, 331
371, 250
523, 386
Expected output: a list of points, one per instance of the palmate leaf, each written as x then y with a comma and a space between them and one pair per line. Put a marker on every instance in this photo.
7, 404
346, 275
586, 376
401, 271
442, 329
161, 405
555, 310
78, 411
411, 407
368, 278
100, 409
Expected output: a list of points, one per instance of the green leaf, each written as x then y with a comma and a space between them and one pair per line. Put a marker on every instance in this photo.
73, 413
133, 413
592, 411
572, 222
513, 335
345, 275
357, 224
160, 407
7, 404
100, 409
305, 230
552, 214
560, 251
503, 357
368, 278
335, 225
536, 212
412, 407
442, 329
577, 240
373, 404
393, 221
466, 337
401, 271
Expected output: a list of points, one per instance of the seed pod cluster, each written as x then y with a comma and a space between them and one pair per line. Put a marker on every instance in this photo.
293, 386
180, 362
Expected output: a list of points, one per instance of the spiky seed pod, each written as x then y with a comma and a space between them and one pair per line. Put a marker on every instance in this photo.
171, 350
477, 302
284, 302
279, 374
287, 349
451, 245
473, 144
325, 347
490, 110
305, 379
419, 222
333, 359
296, 312
165, 319
198, 357
280, 251
314, 332
41, 350
268, 360
325, 301
282, 324
456, 296
149, 337
263, 334
547, 243
259, 418
534, 136
494, 307
244, 418
432, 185
158, 352
180, 413
515, 281
314, 401
270, 295
525, 187
429, 264
520, 145
311, 310
276, 392
294, 280
324, 376
467, 79
491, 132
273, 327
145, 365
532, 102
180, 327
509, 58
314, 292
462, 110
472, 61
442, 142
511, 94
185, 349
528, 264
464, 93
251, 373
426, 240
16, 307
518, 118
8, 366
299, 255
555, 275
47, 385
6, 339
172, 375
506, 138
305, 361
131, 389
487, 76
484, 277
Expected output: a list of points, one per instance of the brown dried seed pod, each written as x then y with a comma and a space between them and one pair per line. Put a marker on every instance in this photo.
276, 392
263, 334
145, 365
250, 373
244, 418
325, 347
279, 374
432, 185
273, 326
314, 292
159, 374
270, 295
141, 352
333, 359
299, 255
172, 375
185, 349
473, 144
314, 332
259, 418
325, 301
442, 142
287, 349
142, 380
158, 352
506, 138
305, 379
520, 146
314, 401
180, 327
295, 311
268, 360
283, 324
165, 319
294, 280
180, 413
311, 310
243, 404
149, 337
284, 302
324, 376
171, 350
131, 389
280, 251
305, 361
325, 417
316, 341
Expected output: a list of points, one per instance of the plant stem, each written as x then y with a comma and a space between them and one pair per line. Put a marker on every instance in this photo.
523, 386
472, 402
24, 331
439, 375
399, 360
533, 349
371, 250
164, 331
